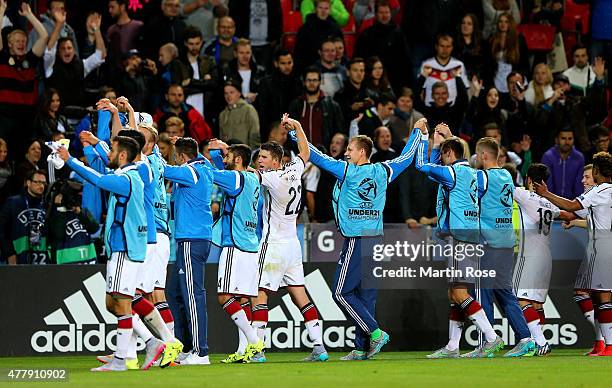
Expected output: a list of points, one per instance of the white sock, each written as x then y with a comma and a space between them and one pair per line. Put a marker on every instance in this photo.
315, 331
480, 320
598, 331
243, 324
170, 326
123, 340
242, 342
156, 322
131, 352
140, 329
260, 328
536, 332
455, 328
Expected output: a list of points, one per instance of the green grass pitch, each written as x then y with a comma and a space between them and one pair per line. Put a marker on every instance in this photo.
563, 368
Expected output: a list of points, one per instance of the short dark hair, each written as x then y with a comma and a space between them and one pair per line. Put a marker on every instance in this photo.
187, 146
242, 150
127, 144
280, 52
134, 134
385, 98
354, 61
443, 36
381, 3
31, 173
454, 144
512, 74
602, 161
173, 86
62, 40
54, 1
275, 149
192, 32
565, 129
329, 39
490, 126
312, 69
538, 172
579, 46
599, 131
104, 90
364, 143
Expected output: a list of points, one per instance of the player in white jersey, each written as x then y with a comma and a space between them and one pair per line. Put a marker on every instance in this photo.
583, 297
597, 271
280, 250
534, 262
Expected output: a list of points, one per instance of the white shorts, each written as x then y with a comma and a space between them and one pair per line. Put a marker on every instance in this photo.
595, 272
282, 265
122, 275
153, 276
531, 278
238, 272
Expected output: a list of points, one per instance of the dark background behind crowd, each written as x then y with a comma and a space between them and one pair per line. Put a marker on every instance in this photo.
533, 74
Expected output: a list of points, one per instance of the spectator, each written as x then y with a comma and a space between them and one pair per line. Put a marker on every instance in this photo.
566, 165
203, 76
540, 88
508, 53
323, 206
319, 114
492, 130
259, 21
469, 46
7, 171
18, 79
137, 83
581, 75
337, 10
423, 21
519, 114
175, 106
175, 127
416, 194
376, 78
441, 110
165, 28
333, 74
55, 8
201, 14
243, 71
374, 117
49, 120
364, 10
277, 91
403, 119
123, 36
22, 223
341, 58
442, 68
354, 97
563, 110
484, 108
70, 226
239, 120
64, 71
600, 140
222, 48
386, 41
492, 9
316, 28
171, 70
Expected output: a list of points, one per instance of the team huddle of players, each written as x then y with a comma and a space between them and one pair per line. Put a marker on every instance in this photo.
251, 267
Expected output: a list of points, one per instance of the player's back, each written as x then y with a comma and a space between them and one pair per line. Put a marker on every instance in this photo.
598, 203
282, 190
536, 215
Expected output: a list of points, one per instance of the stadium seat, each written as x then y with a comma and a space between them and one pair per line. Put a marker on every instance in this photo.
292, 21
350, 36
574, 14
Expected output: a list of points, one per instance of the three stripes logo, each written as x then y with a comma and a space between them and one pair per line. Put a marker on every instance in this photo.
555, 333
285, 322
80, 324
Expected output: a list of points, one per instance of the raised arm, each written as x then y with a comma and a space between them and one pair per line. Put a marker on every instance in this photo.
228, 181
117, 184
185, 175
335, 167
38, 48
124, 104
399, 164
2, 12
437, 173
302, 142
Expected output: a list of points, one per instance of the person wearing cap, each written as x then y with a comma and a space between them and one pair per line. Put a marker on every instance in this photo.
239, 120
136, 80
